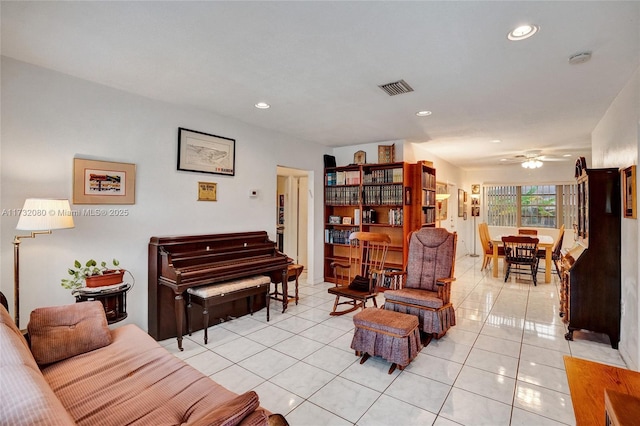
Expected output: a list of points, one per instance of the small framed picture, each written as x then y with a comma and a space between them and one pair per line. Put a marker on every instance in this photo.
335, 220
629, 192
407, 195
207, 191
346, 220
360, 157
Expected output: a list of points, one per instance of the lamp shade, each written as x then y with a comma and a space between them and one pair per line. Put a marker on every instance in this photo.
44, 214
442, 197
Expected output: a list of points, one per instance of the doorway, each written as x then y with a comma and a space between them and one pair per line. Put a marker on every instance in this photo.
292, 204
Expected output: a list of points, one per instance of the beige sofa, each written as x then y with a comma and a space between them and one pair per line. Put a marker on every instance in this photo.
77, 371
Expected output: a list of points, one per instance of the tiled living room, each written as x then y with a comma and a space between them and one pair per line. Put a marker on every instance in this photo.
501, 364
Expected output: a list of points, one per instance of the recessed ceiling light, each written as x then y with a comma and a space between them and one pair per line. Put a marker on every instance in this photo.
523, 32
423, 113
503, 159
496, 141
262, 105
567, 155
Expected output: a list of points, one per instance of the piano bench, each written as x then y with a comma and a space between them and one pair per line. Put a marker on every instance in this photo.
208, 296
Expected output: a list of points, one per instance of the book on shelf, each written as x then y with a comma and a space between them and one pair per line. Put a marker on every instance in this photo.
338, 236
356, 217
391, 282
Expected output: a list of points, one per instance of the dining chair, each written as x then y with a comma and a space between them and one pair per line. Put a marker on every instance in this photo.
556, 253
487, 245
527, 231
357, 277
521, 255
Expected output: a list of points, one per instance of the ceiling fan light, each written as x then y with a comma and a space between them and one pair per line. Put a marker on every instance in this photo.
532, 164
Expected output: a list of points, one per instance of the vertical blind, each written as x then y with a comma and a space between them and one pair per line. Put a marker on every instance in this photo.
544, 206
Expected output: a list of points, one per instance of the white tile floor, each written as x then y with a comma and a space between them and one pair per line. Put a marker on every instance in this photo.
500, 365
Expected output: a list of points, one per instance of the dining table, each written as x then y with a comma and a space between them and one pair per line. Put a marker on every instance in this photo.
544, 242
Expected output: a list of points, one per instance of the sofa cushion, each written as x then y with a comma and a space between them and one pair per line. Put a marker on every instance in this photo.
27, 399
25, 394
230, 413
60, 332
136, 381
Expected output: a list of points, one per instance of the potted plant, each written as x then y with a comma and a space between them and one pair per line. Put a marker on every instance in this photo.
93, 275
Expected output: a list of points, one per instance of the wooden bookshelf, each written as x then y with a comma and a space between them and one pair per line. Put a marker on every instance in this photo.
375, 198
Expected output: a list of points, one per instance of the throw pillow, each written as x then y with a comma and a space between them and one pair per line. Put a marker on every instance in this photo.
359, 283
60, 332
231, 412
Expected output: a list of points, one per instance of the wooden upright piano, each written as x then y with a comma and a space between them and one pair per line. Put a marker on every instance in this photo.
177, 263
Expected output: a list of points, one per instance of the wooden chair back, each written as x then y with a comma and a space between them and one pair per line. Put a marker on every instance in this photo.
525, 231
520, 249
485, 238
557, 248
367, 255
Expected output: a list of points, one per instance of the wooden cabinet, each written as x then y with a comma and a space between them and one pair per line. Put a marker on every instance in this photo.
590, 288
372, 198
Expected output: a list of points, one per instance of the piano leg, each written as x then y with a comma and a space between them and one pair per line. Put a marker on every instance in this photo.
179, 309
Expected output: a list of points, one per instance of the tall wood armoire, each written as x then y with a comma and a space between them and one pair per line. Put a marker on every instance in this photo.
590, 292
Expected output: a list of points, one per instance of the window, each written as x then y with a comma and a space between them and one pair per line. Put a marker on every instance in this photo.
538, 206
543, 206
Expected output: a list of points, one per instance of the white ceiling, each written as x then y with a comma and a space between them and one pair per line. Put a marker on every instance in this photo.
319, 64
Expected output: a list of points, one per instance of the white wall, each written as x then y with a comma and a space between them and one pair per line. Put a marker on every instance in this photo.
49, 118
615, 144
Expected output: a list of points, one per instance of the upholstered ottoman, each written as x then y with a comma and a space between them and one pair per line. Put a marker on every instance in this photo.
391, 335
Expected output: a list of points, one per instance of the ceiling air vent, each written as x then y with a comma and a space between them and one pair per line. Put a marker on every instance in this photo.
396, 88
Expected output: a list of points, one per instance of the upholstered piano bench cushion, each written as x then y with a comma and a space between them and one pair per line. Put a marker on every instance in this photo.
60, 332
218, 289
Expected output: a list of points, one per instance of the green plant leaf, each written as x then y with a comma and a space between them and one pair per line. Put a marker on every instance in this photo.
77, 264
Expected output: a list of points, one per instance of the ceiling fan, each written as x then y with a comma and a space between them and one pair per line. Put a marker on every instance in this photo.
532, 159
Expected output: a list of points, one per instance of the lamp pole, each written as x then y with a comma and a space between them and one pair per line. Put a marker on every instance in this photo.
474, 239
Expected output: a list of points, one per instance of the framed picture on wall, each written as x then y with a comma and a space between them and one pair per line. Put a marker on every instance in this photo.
629, 192
461, 199
103, 182
205, 153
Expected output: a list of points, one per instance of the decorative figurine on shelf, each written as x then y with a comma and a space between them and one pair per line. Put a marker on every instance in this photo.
360, 157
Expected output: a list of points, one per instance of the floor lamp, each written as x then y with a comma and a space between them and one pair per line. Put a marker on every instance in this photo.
474, 239
40, 216
439, 199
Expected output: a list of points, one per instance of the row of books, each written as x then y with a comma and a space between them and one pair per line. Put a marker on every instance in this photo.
346, 177
338, 236
428, 197
384, 176
429, 216
383, 195
396, 217
342, 196
428, 180
393, 282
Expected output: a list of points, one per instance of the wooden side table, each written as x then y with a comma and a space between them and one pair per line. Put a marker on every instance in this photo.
114, 300
293, 273
588, 382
